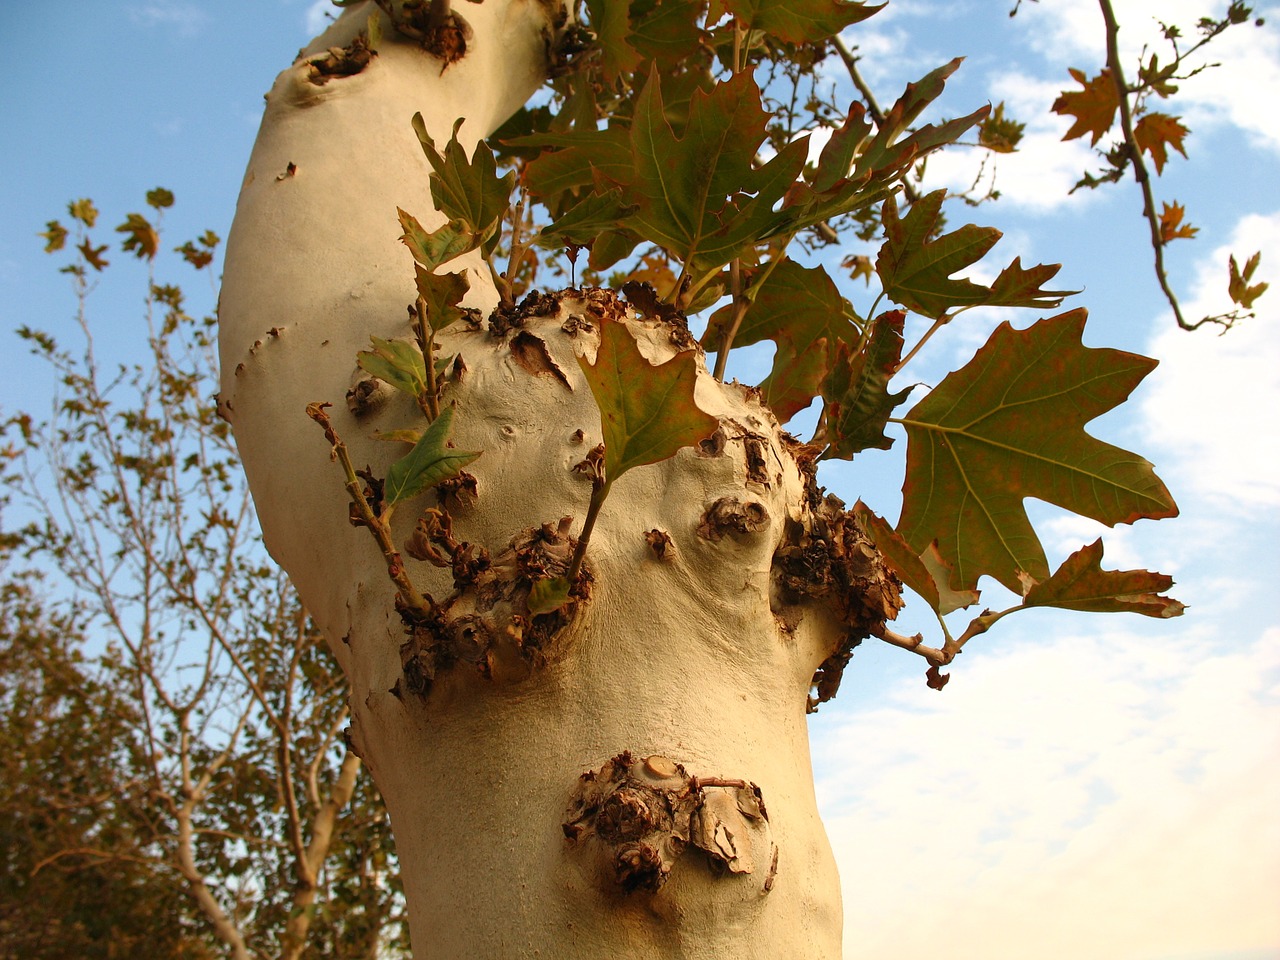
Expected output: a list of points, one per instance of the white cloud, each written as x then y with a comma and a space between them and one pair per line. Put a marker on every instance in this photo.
1086, 797
1211, 405
319, 15
186, 19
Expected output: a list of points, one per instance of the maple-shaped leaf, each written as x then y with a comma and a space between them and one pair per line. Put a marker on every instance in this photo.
160, 198
84, 211
1238, 283
913, 569
1154, 132
1000, 134
441, 293
682, 185
916, 271
1094, 107
802, 312
55, 236
799, 21
856, 393
1081, 584
1010, 425
93, 255
1016, 287
397, 362
439, 246
467, 188
611, 24
878, 161
1171, 225
430, 461
140, 236
647, 412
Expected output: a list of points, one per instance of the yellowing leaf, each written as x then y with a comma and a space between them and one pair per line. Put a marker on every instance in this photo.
547, 596
140, 236
1094, 107
434, 249
55, 236
647, 412
999, 133
441, 292
1009, 425
1156, 131
1171, 225
1081, 584
429, 462
1238, 283
397, 362
84, 211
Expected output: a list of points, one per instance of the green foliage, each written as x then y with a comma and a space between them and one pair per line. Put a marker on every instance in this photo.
1009, 425
429, 462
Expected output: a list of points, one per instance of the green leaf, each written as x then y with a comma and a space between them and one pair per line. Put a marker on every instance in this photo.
1081, 584
858, 401
697, 194
802, 312
916, 271
647, 412
799, 21
467, 189
437, 248
442, 292
1009, 425
397, 362
429, 462
55, 236
547, 596
582, 224
611, 23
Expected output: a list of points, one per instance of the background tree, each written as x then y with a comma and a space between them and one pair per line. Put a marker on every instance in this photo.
174, 723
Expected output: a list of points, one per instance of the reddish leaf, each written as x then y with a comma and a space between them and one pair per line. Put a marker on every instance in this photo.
1094, 107
1171, 225
1156, 131
1081, 584
1009, 425
926, 574
140, 236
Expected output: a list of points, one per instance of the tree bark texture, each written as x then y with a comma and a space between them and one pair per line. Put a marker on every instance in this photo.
637, 783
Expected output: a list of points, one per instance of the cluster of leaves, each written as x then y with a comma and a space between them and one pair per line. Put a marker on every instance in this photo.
657, 151
176, 717
1108, 103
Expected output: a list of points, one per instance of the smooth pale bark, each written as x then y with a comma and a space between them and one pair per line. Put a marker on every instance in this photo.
694, 658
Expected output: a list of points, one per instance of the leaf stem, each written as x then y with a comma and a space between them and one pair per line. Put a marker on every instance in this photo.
429, 401
599, 491
378, 524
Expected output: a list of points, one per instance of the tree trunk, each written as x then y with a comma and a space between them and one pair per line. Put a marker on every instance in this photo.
636, 783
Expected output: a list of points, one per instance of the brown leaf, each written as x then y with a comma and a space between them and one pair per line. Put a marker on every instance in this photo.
1156, 131
1081, 584
1094, 107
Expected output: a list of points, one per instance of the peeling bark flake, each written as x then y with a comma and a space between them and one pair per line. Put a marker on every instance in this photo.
531, 353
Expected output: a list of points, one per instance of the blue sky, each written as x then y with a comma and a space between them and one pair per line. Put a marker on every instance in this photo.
1086, 786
